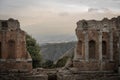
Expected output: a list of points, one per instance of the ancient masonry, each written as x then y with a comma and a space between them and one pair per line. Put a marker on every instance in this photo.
97, 53
98, 45
96, 56
13, 53
15, 60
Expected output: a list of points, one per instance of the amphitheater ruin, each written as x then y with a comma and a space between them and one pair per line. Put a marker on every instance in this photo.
96, 55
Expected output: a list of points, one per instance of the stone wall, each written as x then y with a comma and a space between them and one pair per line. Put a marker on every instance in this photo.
89, 76
97, 47
13, 52
23, 75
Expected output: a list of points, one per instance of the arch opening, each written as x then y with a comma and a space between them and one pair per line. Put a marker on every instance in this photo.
11, 49
92, 49
80, 47
104, 48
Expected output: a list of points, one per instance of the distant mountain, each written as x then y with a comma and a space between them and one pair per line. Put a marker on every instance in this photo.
53, 51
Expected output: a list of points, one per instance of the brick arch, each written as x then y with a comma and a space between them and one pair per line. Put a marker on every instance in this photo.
92, 49
4, 25
11, 49
104, 48
80, 47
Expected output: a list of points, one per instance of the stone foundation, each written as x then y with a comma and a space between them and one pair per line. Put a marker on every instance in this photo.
15, 65
23, 75
13, 51
94, 65
89, 76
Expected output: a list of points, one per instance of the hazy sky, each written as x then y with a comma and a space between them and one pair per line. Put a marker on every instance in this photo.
55, 20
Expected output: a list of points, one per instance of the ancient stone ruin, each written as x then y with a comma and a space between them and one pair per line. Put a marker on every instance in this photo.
97, 53
98, 45
15, 60
13, 53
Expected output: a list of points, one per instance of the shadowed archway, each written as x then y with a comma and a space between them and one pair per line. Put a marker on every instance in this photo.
92, 49
11, 49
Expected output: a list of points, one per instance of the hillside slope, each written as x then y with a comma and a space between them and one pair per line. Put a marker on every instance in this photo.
53, 51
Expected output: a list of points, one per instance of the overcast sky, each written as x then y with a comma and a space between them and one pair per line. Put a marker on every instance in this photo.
55, 20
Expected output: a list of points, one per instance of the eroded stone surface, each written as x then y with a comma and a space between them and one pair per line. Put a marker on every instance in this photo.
97, 47
97, 53
13, 52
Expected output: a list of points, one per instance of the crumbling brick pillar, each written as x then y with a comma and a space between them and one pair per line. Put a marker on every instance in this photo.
100, 49
86, 47
100, 46
111, 46
99, 39
13, 52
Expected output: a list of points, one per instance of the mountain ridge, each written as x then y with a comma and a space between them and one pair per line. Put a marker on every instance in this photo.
53, 51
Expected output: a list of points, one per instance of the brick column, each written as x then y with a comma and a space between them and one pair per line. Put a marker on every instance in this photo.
86, 46
100, 46
75, 53
4, 46
100, 49
111, 46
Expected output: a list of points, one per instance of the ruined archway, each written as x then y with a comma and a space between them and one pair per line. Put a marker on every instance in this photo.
92, 49
104, 49
4, 25
80, 47
11, 49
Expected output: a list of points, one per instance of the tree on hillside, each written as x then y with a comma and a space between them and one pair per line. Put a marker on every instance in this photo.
34, 50
62, 62
48, 64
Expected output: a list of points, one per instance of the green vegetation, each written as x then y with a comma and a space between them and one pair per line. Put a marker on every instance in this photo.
34, 50
48, 64
55, 50
62, 62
